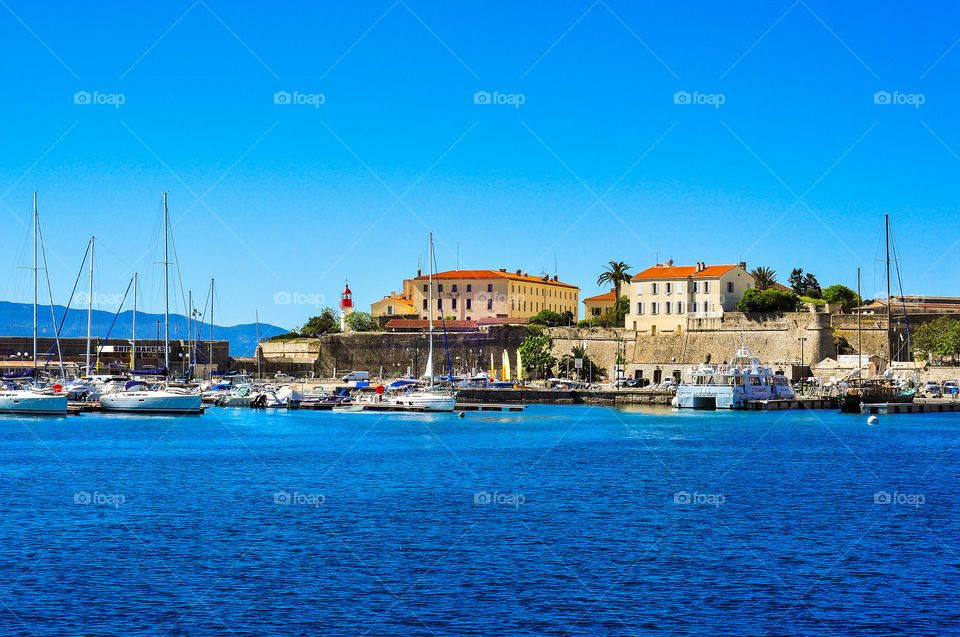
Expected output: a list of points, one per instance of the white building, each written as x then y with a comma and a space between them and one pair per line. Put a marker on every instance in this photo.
669, 298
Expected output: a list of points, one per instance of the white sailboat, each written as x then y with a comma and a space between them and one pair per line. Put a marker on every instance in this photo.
430, 399
25, 401
136, 395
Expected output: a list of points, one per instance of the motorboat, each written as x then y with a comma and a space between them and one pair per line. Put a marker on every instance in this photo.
730, 385
137, 396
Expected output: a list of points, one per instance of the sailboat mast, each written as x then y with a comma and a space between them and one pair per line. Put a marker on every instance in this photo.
430, 304
889, 313
258, 343
210, 360
166, 290
36, 222
133, 341
859, 335
90, 306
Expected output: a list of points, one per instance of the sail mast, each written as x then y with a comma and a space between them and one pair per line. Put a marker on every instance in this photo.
36, 221
133, 342
166, 291
889, 336
430, 304
210, 361
258, 343
89, 306
859, 335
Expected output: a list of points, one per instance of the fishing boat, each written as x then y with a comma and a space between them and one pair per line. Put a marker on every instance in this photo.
430, 398
136, 395
873, 391
730, 385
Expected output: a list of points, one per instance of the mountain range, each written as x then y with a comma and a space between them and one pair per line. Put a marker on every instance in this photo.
16, 319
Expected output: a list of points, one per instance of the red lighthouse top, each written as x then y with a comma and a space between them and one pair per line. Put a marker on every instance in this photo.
346, 297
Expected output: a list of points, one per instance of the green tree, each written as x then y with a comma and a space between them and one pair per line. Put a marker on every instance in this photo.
616, 274
589, 368
797, 280
535, 351
361, 322
763, 277
772, 300
327, 323
940, 337
841, 295
550, 318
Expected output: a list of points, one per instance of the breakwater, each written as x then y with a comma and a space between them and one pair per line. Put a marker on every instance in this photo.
566, 396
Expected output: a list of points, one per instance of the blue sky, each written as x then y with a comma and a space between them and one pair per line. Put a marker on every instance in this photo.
795, 167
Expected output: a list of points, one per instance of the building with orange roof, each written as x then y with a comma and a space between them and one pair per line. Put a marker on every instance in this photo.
672, 298
472, 295
599, 304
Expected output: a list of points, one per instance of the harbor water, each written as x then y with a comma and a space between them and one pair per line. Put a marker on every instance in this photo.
560, 520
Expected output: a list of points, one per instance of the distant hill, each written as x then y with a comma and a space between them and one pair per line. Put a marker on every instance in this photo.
16, 319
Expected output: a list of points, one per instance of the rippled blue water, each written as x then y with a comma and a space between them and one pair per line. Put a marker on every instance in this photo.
560, 520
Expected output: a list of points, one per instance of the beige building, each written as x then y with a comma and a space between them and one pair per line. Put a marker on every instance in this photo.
395, 304
469, 295
596, 305
669, 298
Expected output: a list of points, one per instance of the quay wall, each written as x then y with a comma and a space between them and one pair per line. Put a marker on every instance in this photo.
564, 396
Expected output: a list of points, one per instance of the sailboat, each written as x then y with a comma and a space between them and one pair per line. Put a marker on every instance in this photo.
136, 395
430, 399
25, 401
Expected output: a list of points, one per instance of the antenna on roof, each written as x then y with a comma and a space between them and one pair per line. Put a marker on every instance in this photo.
555, 272
656, 255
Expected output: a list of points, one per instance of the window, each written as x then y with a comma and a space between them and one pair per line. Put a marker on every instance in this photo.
696, 287
468, 302
440, 304
679, 307
489, 287
653, 308
469, 288
669, 290
425, 304
666, 307
454, 288
453, 303
706, 287
653, 288
679, 288
389, 310
439, 287
425, 288
730, 287
639, 288
639, 308
489, 304
706, 306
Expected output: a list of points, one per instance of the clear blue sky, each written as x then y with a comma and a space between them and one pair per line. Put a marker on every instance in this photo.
795, 168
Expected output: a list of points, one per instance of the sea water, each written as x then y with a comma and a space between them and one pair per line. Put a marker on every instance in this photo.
561, 520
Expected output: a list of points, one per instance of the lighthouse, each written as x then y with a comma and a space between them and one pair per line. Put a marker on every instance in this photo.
346, 306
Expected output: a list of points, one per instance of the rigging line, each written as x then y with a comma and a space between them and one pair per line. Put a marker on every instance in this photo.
66, 310
96, 362
443, 324
176, 260
53, 314
903, 302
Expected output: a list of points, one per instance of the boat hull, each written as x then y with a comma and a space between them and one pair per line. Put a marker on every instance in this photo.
32, 404
428, 402
151, 402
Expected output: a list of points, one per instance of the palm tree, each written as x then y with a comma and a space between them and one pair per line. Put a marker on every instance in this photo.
616, 274
764, 278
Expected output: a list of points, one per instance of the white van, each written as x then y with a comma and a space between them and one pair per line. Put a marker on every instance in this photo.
355, 376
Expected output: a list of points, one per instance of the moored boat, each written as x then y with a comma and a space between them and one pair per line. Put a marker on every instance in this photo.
730, 385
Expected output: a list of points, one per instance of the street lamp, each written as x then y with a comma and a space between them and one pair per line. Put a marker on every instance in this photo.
802, 339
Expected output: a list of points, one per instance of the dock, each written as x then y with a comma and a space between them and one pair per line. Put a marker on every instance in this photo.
792, 403
411, 408
924, 406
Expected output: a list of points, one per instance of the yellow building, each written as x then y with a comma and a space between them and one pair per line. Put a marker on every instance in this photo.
469, 295
669, 298
395, 304
599, 304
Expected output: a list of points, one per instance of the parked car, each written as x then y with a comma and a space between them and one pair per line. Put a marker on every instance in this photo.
355, 376
951, 387
932, 388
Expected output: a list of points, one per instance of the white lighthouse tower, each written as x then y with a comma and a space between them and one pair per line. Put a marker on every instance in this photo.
346, 306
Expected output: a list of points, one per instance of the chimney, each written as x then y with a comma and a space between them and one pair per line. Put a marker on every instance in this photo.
503, 269
419, 272
670, 262
518, 270
554, 277
743, 264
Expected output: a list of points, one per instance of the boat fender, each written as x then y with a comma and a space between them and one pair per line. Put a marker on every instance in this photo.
460, 415
723, 368
872, 420
695, 367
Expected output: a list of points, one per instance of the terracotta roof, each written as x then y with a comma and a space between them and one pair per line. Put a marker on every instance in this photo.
423, 324
682, 272
494, 274
609, 296
396, 297
502, 320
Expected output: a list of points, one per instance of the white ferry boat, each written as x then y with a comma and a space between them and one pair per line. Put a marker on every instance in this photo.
730, 385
